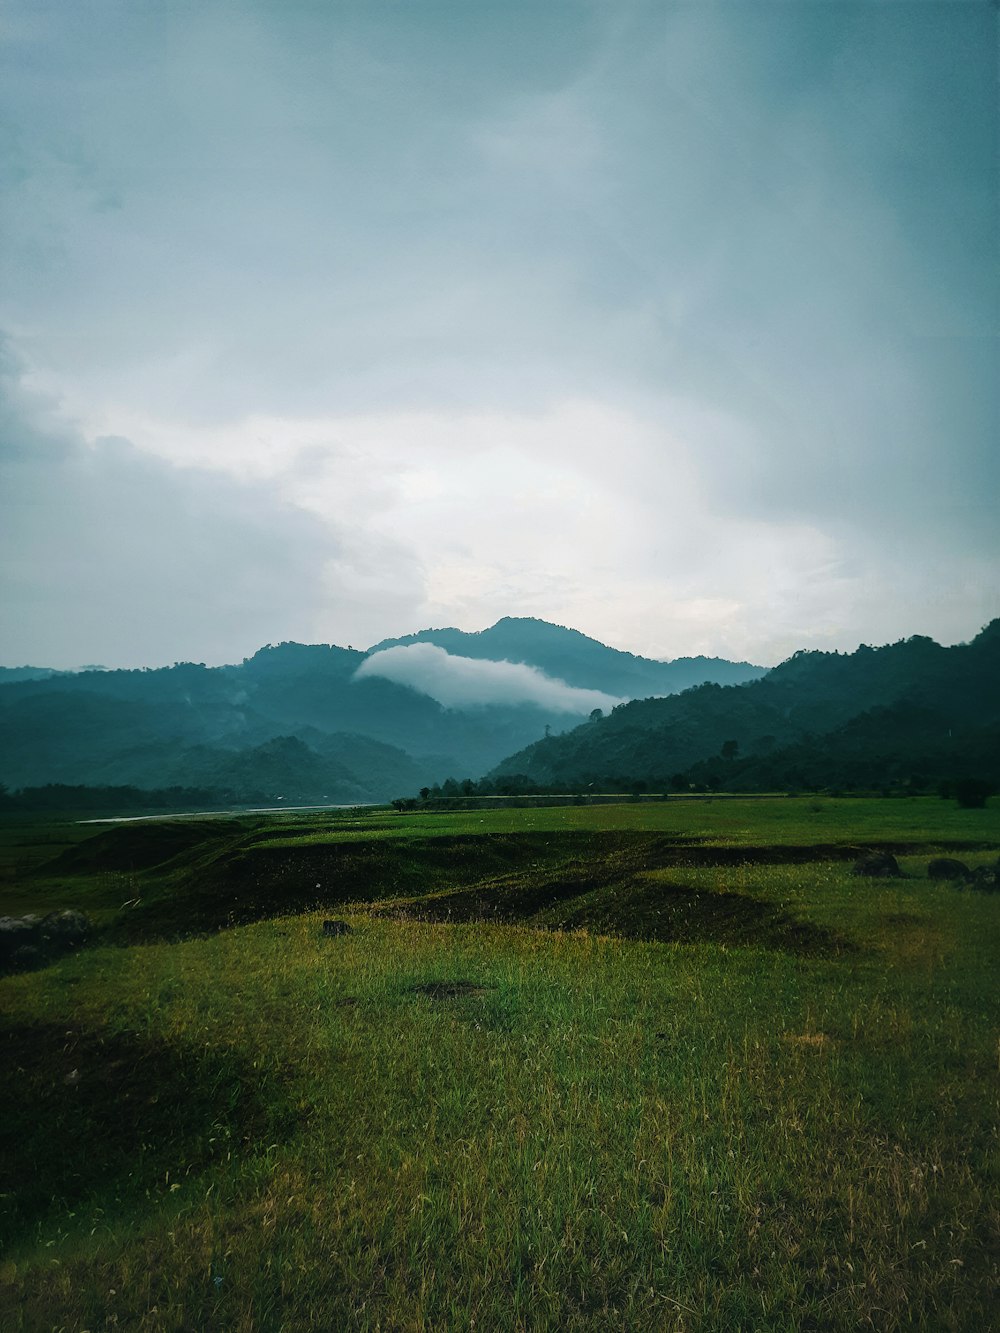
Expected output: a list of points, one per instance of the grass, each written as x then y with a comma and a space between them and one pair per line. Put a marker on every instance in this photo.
651, 1090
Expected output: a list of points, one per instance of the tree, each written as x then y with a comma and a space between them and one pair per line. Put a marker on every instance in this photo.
730, 749
971, 793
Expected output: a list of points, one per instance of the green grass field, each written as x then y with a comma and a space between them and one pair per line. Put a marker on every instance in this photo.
640, 1066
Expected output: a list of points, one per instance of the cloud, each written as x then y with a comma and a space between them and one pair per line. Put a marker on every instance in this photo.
674, 323
110, 554
590, 515
466, 682
580, 513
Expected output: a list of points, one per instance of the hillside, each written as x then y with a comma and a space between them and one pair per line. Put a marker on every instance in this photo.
579, 660
293, 721
912, 712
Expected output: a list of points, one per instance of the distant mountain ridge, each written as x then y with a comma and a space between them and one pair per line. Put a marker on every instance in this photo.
294, 720
11, 675
578, 659
911, 713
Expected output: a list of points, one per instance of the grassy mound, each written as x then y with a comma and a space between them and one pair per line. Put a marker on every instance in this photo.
717, 1090
138, 846
88, 1116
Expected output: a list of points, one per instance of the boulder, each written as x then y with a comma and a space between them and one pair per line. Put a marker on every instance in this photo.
28, 941
877, 865
15, 933
336, 928
986, 879
65, 928
945, 867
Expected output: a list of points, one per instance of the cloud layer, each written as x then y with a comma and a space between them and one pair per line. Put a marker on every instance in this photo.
111, 555
467, 682
673, 323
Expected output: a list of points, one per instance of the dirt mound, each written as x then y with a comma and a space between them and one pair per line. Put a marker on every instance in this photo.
675, 913
140, 846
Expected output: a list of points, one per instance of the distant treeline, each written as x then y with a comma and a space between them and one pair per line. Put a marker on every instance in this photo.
57, 797
702, 779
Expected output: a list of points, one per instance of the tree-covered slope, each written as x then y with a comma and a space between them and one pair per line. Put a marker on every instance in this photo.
579, 660
226, 728
912, 709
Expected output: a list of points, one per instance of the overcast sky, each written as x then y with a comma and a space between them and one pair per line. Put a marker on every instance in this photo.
334, 321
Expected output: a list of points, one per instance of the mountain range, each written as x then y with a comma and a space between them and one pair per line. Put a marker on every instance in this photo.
529, 704
316, 722
909, 716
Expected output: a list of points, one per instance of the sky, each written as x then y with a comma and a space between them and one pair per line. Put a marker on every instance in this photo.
673, 323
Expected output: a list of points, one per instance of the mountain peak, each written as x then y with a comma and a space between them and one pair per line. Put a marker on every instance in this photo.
577, 659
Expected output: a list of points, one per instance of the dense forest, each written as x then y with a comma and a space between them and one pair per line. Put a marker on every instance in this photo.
297, 722
912, 716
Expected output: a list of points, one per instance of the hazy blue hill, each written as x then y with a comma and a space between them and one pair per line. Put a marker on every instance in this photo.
86, 738
337, 768
11, 675
912, 707
293, 661
579, 660
293, 717
198, 726
73, 736
299, 686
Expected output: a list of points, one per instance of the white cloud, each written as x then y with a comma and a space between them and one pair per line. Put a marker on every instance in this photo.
111, 554
467, 682
583, 513
636, 318
622, 521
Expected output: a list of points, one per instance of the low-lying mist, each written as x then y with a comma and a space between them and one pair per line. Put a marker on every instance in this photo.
466, 682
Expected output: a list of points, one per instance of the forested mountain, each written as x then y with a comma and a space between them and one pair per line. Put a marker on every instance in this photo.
297, 722
9, 675
578, 660
294, 720
913, 713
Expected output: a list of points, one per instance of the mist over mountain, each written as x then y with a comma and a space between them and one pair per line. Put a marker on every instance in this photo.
470, 682
316, 722
578, 660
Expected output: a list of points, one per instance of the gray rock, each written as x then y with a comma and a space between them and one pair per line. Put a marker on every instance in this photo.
15, 925
67, 927
14, 934
944, 867
877, 865
986, 879
336, 928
